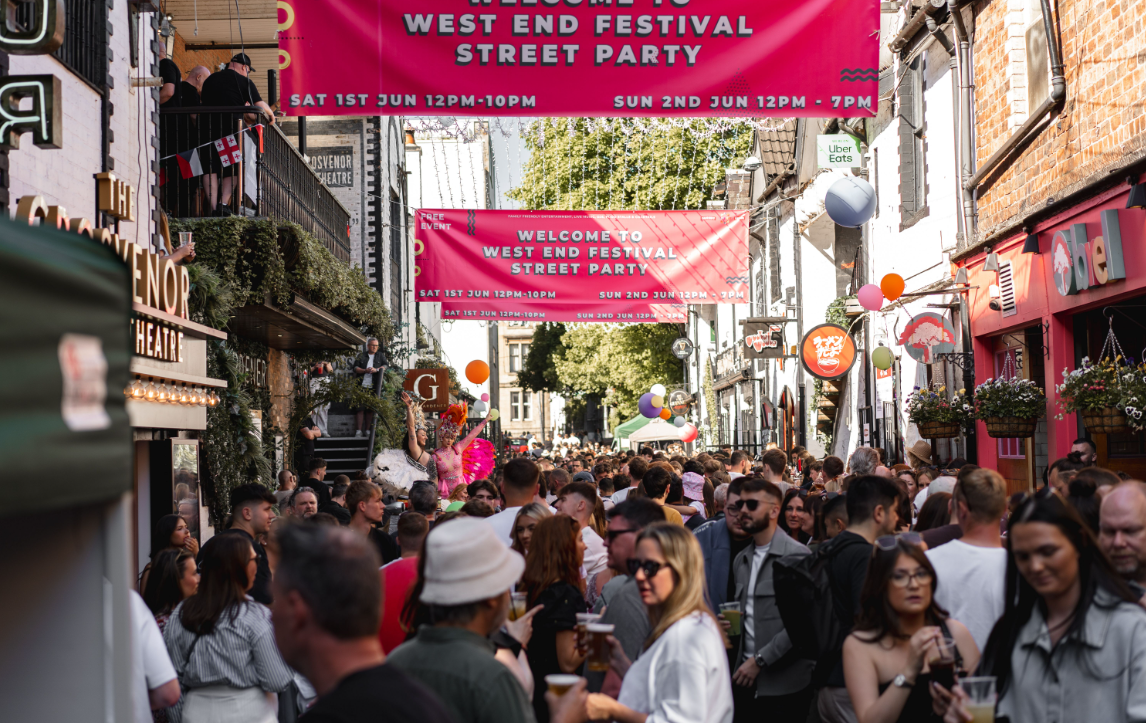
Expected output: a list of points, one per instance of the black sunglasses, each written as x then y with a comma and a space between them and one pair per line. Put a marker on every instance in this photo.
750, 504
890, 542
651, 567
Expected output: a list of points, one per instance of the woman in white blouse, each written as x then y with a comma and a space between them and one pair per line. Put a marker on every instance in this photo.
682, 675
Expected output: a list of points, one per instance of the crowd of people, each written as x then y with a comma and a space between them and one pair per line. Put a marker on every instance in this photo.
644, 586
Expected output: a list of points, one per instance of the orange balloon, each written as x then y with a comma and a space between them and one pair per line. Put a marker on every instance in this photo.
477, 371
892, 286
665, 413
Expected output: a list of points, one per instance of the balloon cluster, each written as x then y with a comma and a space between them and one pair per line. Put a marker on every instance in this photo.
477, 372
652, 406
871, 297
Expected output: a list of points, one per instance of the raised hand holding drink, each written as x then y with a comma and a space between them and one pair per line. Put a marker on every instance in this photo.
731, 613
980, 698
517, 604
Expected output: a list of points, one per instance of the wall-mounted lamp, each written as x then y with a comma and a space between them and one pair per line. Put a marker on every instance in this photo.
992, 262
1137, 197
1031, 244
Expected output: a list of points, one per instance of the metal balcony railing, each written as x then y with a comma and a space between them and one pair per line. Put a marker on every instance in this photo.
274, 182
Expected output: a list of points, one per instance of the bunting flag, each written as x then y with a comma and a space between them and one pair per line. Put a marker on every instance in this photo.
189, 165
222, 144
229, 151
162, 176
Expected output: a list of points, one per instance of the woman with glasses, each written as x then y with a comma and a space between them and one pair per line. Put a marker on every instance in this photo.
901, 641
222, 644
1071, 644
552, 579
682, 674
796, 516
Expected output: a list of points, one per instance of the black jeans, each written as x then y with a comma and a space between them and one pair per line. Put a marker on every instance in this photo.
791, 708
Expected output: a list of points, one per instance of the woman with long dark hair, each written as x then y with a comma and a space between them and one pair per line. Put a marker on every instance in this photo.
796, 516
899, 634
171, 533
174, 578
1070, 644
552, 579
222, 644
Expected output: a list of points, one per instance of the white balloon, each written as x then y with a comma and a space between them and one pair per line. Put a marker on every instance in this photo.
479, 407
680, 421
658, 390
850, 202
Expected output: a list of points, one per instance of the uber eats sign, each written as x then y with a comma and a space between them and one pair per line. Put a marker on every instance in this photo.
44, 35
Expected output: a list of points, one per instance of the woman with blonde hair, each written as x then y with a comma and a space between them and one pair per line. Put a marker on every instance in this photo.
682, 674
527, 519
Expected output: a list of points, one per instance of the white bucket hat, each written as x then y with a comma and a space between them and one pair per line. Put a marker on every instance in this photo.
466, 562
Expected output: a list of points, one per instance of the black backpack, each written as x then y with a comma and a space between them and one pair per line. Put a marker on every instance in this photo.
804, 597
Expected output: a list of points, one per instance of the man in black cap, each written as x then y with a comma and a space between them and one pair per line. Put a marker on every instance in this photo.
230, 87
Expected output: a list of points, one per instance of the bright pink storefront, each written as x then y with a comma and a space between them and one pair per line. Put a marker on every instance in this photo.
1054, 308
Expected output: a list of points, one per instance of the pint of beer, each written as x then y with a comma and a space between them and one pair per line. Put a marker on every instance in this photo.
981, 698
517, 604
599, 652
583, 620
560, 684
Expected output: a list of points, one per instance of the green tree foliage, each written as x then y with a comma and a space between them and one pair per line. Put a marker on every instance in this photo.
628, 163
627, 359
539, 370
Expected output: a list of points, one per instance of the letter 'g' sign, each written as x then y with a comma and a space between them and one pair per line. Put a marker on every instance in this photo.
42, 119
432, 385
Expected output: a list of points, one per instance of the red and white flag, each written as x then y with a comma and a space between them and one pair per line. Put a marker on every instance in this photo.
189, 165
229, 151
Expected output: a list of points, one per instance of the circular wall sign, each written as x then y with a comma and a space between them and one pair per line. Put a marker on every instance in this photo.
828, 351
682, 347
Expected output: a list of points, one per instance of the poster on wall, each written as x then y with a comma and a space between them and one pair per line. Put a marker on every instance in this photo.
540, 310
927, 336
581, 257
827, 352
784, 58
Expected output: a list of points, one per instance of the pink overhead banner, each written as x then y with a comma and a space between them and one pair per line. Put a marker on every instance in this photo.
785, 58
502, 310
581, 257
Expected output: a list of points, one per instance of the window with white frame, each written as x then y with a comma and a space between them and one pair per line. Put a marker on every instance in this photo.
517, 354
526, 406
515, 405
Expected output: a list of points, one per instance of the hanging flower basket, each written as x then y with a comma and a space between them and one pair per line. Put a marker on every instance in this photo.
938, 430
1107, 420
1011, 427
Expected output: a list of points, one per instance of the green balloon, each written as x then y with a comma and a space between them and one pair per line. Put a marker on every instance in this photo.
882, 358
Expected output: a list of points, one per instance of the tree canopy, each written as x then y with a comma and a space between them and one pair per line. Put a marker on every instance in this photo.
628, 163
538, 370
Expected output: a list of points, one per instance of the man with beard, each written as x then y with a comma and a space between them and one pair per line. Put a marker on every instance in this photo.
721, 540
769, 681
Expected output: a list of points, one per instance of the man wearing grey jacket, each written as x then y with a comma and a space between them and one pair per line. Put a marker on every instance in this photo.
770, 681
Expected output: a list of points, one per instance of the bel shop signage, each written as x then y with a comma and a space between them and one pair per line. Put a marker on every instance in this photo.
838, 151
1075, 263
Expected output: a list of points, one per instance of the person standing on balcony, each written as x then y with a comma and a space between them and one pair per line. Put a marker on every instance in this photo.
229, 88
368, 365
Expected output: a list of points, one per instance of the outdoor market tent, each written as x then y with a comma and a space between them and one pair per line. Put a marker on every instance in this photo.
656, 430
624, 430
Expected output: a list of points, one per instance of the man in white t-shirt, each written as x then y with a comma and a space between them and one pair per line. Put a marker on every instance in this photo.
153, 681
637, 468
578, 500
971, 571
519, 487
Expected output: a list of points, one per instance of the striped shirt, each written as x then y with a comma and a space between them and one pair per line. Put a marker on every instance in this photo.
240, 653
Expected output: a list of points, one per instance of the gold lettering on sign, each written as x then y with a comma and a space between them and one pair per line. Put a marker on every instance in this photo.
116, 197
157, 341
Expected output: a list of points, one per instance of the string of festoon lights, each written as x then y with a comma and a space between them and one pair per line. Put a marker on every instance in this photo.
163, 393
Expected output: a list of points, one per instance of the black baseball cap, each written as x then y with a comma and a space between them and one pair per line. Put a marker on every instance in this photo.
242, 59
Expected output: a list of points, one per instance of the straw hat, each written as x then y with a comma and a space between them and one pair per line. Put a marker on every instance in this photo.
919, 454
465, 562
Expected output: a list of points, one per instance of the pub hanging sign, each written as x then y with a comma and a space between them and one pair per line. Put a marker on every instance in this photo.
764, 338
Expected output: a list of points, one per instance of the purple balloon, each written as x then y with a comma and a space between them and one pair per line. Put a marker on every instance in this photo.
645, 406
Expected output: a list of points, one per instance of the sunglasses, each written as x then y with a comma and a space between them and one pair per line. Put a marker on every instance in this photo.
890, 542
651, 567
738, 504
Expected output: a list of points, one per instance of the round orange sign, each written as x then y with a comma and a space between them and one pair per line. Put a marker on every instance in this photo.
828, 351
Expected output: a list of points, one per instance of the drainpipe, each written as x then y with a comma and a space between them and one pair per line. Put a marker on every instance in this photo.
966, 149
939, 35
775, 183
1053, 101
